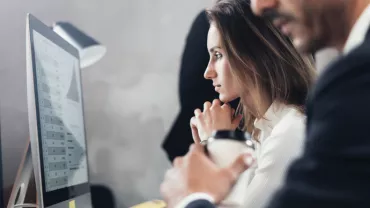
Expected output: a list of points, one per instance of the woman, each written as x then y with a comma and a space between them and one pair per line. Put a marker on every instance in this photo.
251, 59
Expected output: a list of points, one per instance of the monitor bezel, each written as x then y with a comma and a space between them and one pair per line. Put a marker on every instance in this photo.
56, 196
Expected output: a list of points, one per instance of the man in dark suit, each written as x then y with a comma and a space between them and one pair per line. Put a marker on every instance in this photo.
334, 170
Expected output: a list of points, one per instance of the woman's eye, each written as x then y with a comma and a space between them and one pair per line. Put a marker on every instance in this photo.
218, 55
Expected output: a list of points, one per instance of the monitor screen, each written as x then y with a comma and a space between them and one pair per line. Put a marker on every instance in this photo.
60, 113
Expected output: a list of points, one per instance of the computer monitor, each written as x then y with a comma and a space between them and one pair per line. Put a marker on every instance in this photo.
56, 119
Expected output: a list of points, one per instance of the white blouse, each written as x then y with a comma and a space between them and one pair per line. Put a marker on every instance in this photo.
280, 142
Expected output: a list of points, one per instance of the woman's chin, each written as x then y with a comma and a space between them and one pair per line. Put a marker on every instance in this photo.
224, 99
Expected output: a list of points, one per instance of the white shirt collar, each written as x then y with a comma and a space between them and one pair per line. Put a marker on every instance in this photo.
358, 33
272, 116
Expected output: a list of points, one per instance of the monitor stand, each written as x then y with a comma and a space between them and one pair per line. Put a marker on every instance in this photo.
22, 180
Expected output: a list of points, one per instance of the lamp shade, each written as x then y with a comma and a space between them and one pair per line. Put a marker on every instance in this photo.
89, 49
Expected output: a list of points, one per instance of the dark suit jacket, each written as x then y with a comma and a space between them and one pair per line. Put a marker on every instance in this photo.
194, 89
334, 170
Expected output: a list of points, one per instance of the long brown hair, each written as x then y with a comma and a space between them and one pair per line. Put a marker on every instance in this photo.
263, 61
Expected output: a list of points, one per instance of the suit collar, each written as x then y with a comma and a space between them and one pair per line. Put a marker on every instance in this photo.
368, 35
358, 32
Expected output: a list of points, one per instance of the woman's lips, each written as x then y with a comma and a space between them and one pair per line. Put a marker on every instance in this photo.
217, 87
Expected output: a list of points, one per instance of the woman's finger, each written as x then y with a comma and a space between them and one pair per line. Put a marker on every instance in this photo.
236, 121
194, 130
197, 112
195, 135
226, 106
193, 122
206, 106
216, 103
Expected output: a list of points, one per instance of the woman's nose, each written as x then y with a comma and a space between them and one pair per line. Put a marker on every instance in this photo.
210, 73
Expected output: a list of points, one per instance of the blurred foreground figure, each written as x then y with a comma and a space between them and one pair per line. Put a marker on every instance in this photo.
334, 169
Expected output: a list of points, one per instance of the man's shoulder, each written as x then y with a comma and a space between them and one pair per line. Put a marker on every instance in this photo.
354, 60
345, 68
359, 55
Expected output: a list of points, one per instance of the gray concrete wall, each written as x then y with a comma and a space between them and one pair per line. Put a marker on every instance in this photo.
130, 95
